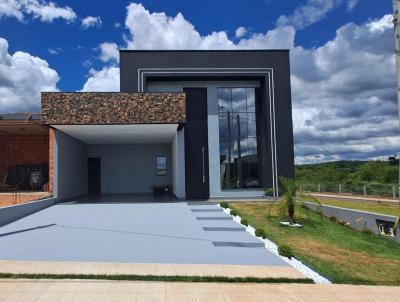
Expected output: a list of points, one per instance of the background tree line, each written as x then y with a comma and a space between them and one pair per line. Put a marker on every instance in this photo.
384, 172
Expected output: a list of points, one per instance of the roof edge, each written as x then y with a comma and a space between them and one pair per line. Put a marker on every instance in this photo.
205, 50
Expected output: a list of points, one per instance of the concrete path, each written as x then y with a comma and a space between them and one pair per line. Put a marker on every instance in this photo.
133, 233
86, 291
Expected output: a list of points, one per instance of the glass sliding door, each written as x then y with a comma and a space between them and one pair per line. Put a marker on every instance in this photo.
237, 138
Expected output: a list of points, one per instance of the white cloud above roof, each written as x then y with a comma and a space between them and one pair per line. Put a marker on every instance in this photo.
45, 11
91, 21
240, 32
22, 78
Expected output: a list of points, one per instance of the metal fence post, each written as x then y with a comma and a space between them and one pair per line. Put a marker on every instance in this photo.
394, 191
340, 188
319, 187
365, 190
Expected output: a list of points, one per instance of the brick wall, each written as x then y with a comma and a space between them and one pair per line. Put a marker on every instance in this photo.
22, 149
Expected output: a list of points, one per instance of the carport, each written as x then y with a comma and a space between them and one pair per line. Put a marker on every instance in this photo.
116, 143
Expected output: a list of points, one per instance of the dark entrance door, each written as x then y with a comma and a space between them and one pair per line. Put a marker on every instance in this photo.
196, 144
94, 176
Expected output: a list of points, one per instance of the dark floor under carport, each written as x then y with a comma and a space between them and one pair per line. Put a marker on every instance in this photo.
124, 198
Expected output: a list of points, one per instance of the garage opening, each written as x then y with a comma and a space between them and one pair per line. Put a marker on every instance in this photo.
121, 161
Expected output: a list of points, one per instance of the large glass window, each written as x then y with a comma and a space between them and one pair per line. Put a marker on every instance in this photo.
237, 138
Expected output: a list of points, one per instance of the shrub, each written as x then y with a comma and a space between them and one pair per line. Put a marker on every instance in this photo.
224, 204
261, 233
333, 218
233, 213
244, 222
285, 251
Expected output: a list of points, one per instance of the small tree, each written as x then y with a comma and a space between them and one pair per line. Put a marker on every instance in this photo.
288, 203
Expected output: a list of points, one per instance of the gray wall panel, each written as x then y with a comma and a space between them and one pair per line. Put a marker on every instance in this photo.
70, 171
131, 168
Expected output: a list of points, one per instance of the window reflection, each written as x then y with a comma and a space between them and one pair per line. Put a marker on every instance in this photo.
238, 138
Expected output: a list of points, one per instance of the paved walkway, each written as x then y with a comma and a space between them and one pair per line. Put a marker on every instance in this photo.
177, 233
86, 291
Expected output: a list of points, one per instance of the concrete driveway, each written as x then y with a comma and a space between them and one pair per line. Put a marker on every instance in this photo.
133, 233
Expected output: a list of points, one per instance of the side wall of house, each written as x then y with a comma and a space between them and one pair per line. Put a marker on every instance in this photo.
70, 166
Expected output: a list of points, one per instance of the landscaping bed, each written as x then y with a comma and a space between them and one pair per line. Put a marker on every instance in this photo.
337, 252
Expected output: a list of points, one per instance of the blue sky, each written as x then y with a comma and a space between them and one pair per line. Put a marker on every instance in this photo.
76, 45
343, 88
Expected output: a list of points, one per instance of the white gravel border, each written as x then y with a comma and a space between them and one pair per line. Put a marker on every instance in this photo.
273, 248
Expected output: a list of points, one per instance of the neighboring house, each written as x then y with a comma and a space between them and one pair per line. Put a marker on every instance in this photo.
207, 124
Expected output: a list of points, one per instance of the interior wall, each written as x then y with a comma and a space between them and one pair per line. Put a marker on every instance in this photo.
70, 166
131, 168
178, 164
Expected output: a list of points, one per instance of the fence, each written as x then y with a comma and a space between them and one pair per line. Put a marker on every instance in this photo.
372, 189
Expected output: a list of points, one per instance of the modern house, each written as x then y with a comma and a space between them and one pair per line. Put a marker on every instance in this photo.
202, 124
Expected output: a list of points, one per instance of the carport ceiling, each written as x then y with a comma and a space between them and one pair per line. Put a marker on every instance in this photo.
121, 134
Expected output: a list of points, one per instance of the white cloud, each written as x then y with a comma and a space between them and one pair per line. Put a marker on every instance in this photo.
11, 8
343, 92
91, 21
109, 52
106, 79
117, 25
157, 30
22, 78
306, 14
38, 9
54, 51
351, 4
240, 32
347, 109
380, 25
313, 11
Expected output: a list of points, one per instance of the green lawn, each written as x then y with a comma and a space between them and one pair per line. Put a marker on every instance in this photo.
337, 252
387, 209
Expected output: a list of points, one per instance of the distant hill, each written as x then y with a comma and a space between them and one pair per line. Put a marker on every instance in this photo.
349, 172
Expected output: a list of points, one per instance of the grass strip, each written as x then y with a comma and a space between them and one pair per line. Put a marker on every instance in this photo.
154, 278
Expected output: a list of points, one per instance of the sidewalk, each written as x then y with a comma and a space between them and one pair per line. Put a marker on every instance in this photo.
143, 269
85, 291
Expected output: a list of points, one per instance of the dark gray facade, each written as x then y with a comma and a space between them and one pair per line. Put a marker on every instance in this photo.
270, 68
